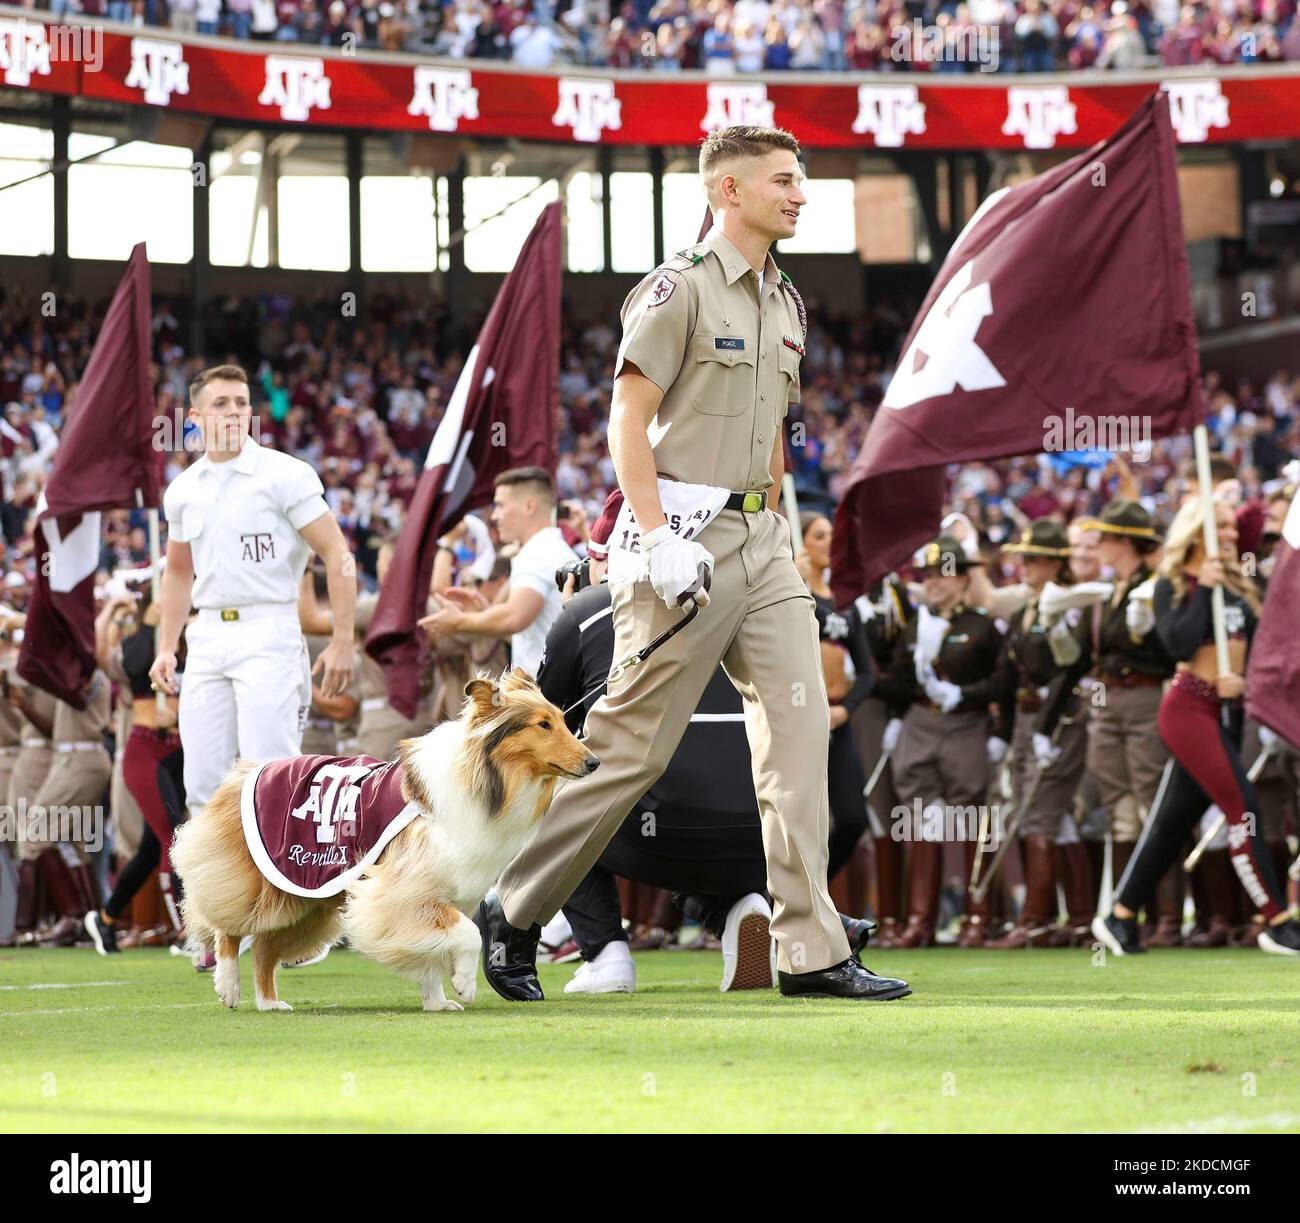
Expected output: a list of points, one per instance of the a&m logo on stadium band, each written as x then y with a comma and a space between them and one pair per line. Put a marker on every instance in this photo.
735, 104
588, 106
1195, 107
159, 68
890, 113
24, 50
1039, 113
295, 85
445, 95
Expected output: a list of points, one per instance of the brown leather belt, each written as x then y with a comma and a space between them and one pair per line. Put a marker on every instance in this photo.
1028, 700
1134, 679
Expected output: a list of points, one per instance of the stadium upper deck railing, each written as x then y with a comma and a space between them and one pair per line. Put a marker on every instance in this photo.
284, 83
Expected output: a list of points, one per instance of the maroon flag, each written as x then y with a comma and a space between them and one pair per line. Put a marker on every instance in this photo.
501, 415
106, 460
1273, 674
1062, 313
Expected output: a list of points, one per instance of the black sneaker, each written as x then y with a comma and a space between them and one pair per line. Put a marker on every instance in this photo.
1281, 940
1118, 934
102, 933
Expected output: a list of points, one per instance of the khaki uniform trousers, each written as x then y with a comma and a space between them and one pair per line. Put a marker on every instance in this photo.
760, 625
381, 728
128, 819
1127, 757
941, 759
1054, 797
75, 779
29, 770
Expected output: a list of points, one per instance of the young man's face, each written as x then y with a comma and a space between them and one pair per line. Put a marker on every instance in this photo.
223, 411
769, 193
510, 511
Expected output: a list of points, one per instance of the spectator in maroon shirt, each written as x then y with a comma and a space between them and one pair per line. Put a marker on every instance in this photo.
1183, 44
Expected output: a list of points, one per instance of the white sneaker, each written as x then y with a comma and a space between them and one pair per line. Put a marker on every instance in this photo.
611, 972
557, 931
747, 945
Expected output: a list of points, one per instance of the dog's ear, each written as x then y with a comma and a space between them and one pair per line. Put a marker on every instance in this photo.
483, 692
516, 679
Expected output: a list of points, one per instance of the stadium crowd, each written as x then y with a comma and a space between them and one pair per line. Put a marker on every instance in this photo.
742, 36
361, 401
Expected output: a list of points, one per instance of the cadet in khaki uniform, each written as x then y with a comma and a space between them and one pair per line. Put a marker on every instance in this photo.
78, 777
11, 731
380, 727
711, 347
35, 708
1118, 640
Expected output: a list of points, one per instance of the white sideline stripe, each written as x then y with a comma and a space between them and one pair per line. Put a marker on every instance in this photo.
717, 717
68, 984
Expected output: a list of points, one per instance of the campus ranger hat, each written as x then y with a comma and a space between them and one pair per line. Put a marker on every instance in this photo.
1121, 517
1042, 537
946, 553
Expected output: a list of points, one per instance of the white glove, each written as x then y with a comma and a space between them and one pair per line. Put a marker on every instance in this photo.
997, 749
1063, 643
889, 740
1055, 600
674, 565
1139, 616
1268, 738
1045, 751
943, 693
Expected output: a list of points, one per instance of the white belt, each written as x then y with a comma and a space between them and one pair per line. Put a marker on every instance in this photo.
10, 751
371, 703
84, 746
246, 611
36, 743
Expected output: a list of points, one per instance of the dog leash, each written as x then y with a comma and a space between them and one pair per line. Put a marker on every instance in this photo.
634, 660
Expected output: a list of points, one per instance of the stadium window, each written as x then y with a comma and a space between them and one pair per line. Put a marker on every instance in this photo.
314, 222
585, 224
683, 210
493, 245
130, 194
631, 205
26, 212
397, 224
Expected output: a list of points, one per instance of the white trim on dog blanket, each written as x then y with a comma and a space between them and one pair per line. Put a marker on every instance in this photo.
264, 863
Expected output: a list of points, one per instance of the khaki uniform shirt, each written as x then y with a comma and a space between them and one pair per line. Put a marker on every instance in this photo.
725, 346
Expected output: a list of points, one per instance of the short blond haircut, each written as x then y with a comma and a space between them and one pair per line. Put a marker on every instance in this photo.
724, 146
218, 373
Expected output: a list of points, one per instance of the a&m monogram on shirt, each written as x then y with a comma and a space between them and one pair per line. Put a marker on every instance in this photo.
257, 546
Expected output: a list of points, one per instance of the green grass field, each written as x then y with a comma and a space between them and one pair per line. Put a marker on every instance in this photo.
1041, 1040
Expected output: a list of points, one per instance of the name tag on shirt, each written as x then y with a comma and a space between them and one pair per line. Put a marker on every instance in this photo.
733, 343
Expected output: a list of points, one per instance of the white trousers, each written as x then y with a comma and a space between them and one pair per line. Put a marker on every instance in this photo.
245, 692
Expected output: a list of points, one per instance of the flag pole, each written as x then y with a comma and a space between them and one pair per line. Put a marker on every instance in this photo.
1201, 438
155, 573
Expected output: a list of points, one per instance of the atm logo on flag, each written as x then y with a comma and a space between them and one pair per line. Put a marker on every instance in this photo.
296, 85
159, 68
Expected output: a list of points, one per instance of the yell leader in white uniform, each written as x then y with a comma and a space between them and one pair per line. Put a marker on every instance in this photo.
242, 522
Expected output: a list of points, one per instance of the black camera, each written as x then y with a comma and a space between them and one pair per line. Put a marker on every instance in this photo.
581, 571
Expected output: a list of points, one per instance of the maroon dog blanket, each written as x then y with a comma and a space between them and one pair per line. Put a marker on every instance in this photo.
313, 823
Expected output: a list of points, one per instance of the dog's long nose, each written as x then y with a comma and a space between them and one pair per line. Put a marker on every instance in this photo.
590, 765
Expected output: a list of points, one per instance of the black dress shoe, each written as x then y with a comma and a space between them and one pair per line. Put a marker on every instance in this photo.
509, 954
1119, 934
847, 979
859, 931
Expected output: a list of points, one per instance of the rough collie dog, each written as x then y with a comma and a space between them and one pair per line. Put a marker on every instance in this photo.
290, 852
